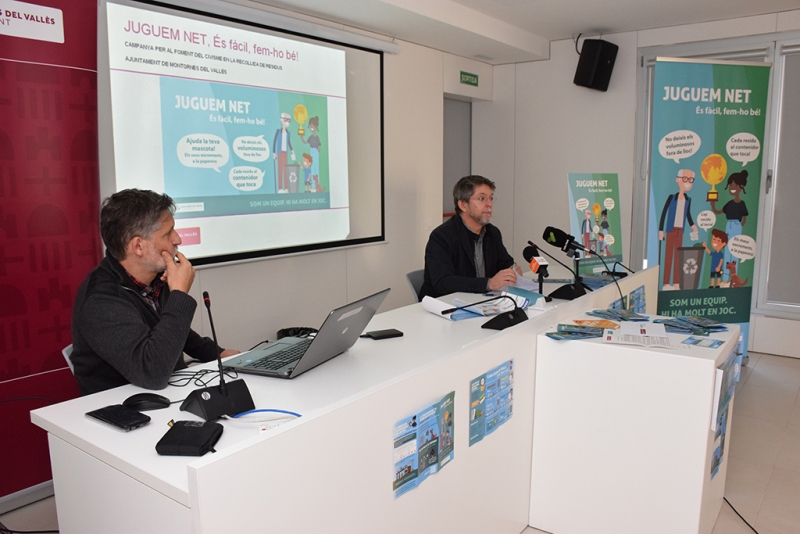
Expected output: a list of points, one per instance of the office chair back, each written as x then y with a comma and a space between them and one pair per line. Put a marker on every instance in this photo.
66, 352
415, 279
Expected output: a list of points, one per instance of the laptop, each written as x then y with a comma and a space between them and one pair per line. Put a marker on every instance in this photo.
292, 356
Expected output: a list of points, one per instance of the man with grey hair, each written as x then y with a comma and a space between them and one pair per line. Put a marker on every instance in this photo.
131, 321
466, 252
281, 145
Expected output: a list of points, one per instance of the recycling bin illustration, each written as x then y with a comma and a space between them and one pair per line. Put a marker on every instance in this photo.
293, 173
691, 259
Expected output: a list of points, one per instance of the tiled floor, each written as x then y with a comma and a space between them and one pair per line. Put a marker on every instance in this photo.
763, 469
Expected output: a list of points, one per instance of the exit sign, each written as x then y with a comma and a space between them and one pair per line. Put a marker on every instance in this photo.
467, 78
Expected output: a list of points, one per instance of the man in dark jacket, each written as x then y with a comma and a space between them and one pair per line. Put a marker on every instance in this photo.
466, 252
131, 321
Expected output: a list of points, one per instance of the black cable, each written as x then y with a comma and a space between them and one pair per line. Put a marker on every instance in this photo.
6, 530
576, 43
623, 266
740, 515
621, 297
201, 378
51, 401
257, 344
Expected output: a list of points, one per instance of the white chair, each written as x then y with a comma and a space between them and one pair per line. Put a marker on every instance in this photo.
415, 279
66, 352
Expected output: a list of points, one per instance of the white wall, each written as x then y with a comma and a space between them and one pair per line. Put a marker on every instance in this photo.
540, 127
253, 300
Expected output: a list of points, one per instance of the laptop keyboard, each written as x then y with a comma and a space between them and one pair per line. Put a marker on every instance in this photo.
281, 358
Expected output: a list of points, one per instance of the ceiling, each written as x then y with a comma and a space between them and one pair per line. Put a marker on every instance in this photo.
512, 31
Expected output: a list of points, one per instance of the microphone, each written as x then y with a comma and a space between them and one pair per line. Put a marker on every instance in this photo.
211, 403
568, 291
536, 262
564, 241
498, 297
222, 387
502, 320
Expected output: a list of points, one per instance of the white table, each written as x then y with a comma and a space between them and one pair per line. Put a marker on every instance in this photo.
622, 437
330, 470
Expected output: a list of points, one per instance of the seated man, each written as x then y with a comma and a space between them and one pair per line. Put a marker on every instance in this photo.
466, 252
131, 321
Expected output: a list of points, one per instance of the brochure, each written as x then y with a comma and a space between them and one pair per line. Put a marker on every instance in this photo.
491, 401
703, 342
423, 445
600, 323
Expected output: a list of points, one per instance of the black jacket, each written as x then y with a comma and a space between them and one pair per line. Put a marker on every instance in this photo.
450, 259
117, 338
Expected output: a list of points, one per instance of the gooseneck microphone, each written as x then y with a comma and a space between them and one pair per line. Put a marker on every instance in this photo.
502, 320
564, 241
211, 403
222, 387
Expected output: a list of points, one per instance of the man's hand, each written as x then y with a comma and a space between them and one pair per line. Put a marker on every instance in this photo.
229, 352
661, 235
518, 269
178, 276
506, 277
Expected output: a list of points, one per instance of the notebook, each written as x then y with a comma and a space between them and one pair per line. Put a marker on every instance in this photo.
291, 356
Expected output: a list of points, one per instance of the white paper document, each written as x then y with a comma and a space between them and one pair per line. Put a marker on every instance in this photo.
642, 334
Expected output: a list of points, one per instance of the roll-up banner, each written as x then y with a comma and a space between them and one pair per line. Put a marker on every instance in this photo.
705, 182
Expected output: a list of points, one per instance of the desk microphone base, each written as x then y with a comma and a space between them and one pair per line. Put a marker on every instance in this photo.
506, 319
210, 404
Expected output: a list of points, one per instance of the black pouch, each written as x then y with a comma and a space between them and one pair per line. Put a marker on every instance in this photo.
189, 438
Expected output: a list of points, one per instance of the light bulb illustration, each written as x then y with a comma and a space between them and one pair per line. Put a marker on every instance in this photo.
300, 116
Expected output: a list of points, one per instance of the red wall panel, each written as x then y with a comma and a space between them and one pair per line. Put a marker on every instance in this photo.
49, 236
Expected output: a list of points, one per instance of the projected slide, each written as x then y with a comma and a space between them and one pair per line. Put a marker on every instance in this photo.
243, 130
222, 156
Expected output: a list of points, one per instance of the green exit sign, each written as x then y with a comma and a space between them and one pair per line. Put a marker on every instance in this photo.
467, 78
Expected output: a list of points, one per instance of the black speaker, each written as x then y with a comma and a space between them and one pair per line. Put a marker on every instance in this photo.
596, 63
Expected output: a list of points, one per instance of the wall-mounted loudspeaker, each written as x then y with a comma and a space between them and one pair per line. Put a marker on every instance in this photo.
596, 63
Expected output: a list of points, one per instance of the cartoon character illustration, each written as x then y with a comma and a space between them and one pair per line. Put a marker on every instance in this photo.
677, 211
307, 162
586, 230
604, 224
281, 145
315, 144
735, 280
602, 246
718, 241
735, 211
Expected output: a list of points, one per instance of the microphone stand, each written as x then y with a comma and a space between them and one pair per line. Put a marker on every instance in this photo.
568, 291
541, 283
211, 403
588, 251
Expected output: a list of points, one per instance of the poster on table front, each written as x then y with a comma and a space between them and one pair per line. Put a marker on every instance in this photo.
423, 444
491, 401
595, 220
705, 181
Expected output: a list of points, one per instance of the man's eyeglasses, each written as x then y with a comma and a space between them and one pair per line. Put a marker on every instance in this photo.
685, 179
286, 119
483, 199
